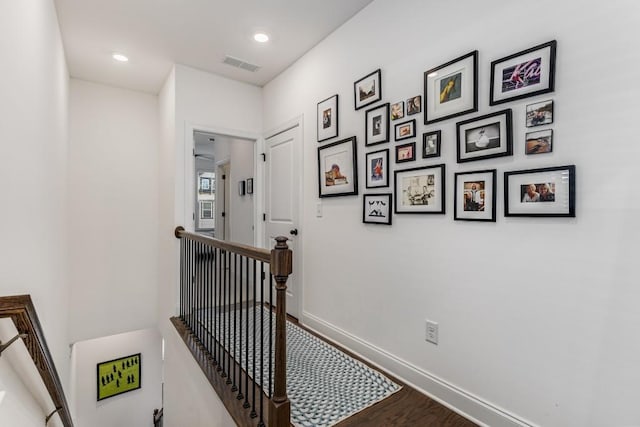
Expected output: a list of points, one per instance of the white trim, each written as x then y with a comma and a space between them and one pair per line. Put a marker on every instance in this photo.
455, 398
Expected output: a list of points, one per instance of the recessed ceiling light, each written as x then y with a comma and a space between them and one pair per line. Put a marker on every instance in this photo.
119, 57
261, 37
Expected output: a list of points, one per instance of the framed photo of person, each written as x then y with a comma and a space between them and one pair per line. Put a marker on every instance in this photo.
377, 169
451, 89
376, 209
338, 169
367, 90
540, 113
405, 130
414, 105
539, 142
377, 125
523, 74
328, 118
485, 137
397, 110
545, 192
420, 190
475, 196
431, 144
406, 152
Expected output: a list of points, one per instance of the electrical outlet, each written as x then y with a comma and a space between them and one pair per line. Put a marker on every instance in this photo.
432, 332
319, 210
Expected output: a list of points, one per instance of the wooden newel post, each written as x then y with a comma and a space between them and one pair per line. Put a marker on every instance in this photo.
281, 268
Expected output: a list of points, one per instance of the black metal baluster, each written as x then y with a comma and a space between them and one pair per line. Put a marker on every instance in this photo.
232, 350
189, 293
270, 333
182, 261
212, 264
196, 311
218, 303
206, 305
261, 423
223, 341
246, 335
239, 308
228, 330
255, 379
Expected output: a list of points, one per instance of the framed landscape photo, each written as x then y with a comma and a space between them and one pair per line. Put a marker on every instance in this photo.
540, 113
451, 89
367, 90
397, 110
405, 130
475, 196
414, 105
539, 142
119, 376
420, 190
377, 125
376, 209
485, 137
338, 169
406, 152
377, 163
328, 118
431, 144
523, 74
546, 192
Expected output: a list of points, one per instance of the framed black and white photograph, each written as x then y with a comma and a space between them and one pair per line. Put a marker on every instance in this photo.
475, 196
406, 152
328, 118
249, 185
397, 110
377, 163
523, 74
377, 125
539, 142
545, 192
241, 188
420, 190
485, 137
368, 90
539, 114
451, 89
376, 209
414, 105
338, 168
431, 144
405, 130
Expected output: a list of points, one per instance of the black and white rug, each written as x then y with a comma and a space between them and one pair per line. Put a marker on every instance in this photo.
324, 385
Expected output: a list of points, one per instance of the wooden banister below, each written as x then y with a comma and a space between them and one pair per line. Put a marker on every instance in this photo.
249, 251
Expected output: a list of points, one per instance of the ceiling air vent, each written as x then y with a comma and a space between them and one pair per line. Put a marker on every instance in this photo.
239, 63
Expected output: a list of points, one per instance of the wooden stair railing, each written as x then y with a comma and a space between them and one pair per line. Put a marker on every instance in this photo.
22, 312
213, 273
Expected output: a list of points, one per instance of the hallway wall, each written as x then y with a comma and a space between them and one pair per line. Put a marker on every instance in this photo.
538, 317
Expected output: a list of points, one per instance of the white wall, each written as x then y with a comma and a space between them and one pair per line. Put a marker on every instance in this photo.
131, 409
33, 163
113, 216
537, 316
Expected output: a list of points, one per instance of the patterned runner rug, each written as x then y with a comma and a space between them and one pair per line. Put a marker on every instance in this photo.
324, 385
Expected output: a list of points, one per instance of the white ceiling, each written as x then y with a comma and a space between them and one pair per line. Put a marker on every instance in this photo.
155, 34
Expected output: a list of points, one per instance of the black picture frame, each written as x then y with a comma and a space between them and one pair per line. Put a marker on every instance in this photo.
475, 196
405, 130
406, 152
539, 114
420, 190
111, 372
431, 144
527, 73
376, 125
241, 188
338, 168
328, 118
377, 167
460, 76
538, 142
414, 105
397, 110
367, 90
377, 208
485, 137
525, 194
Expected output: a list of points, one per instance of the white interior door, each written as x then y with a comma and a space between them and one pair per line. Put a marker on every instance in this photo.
282, 197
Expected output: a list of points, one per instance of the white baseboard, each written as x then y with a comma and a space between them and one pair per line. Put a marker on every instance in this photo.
454, 398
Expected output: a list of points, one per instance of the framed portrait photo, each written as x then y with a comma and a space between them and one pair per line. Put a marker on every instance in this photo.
328, 118
540, 113
539, 142
431, 144
376, 209
420, 190
377, 125
475, 196
406, 152
451, 89
523, 74
485, 137
405, 130
397, 110
377, 169
414, 105
367, 90
546, 192
338, 169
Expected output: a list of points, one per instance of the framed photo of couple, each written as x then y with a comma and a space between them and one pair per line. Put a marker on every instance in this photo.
546, 192
475, 196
